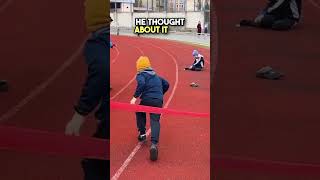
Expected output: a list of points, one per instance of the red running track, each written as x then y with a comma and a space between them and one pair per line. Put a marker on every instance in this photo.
261, 119
184, 142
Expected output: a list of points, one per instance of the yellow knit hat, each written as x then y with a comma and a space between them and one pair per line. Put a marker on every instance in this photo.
143, 63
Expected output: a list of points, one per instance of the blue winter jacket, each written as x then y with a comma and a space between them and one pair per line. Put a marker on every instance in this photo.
150, 85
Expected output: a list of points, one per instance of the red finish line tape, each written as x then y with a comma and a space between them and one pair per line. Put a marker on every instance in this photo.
275, 167
35, 141
42, 142
148, 109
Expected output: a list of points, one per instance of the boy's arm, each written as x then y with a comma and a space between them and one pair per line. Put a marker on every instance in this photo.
165, 85
258, 19
140, 86
274, 6
92, 91
194, 62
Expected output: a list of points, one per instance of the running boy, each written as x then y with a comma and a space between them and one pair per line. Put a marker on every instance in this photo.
198, 63
95, 91
277, 15
150, 89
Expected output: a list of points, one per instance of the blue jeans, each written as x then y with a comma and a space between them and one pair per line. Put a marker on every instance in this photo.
95, 93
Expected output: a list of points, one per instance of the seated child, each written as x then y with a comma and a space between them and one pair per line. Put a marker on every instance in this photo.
151, 89
277, 15
198, 63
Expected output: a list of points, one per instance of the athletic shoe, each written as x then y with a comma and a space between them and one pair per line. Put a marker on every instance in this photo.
193, 84
142, 137
153, 152
268, 73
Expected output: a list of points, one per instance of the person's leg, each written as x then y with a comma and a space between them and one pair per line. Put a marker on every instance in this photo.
283, 24
197, 69
155, 130
141, 119
155, 127
96, 169
155, 122
141, 122
192, 68
267, 21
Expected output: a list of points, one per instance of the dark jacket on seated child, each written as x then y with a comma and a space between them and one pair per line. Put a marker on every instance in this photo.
283, 9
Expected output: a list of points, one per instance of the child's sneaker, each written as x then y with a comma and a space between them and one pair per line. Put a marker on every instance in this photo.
153, 152
142, 137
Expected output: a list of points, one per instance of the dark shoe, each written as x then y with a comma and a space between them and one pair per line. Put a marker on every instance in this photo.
142, 137
153, 152
268, 73
3, 86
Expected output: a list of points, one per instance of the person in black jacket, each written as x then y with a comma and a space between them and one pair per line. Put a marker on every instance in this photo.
151, 89
199, 29
277, 15
95, 91
95, 94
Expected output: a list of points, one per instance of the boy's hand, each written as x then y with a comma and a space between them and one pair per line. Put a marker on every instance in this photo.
133, 100
258, 19
73, 126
